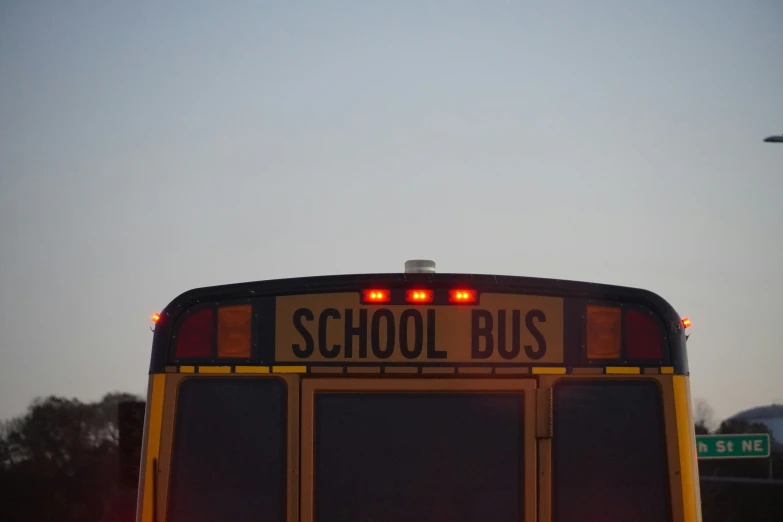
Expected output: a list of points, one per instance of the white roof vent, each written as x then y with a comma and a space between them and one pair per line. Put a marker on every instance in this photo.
419, 266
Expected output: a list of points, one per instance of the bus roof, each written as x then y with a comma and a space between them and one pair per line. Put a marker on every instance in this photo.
575, 295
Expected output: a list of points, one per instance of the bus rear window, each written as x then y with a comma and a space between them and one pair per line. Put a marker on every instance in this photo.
609, 453
427, 457
228, 460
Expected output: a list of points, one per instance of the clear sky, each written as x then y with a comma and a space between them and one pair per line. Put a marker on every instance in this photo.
147, 148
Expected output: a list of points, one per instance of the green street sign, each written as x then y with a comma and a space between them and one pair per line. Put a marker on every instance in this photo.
745, 446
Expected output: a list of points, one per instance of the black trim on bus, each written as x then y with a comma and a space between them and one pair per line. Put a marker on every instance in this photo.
576, 294
265, 330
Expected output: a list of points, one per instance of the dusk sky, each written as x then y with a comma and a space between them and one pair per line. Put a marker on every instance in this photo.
147, 148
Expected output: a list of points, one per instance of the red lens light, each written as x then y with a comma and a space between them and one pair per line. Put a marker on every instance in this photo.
686, 322
462, 296
642, 336
155, 317
419, 296
194, 338
376, 296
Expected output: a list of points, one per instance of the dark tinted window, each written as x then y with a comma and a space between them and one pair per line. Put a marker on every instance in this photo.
609, 454
418, 457
228, 461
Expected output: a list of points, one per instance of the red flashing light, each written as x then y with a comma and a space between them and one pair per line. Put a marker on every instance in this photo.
155, 317
419, 296
686, 322
462, 296
642, 336
194, 338
376, 296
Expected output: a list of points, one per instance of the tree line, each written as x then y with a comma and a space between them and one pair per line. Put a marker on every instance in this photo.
60, 462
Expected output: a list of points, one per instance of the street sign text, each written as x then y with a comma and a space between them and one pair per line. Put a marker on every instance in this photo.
744, 446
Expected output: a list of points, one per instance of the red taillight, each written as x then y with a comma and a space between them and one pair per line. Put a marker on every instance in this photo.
419, 296
642, 336
462, 296
376, 295
686, 322
155, 317
194, 337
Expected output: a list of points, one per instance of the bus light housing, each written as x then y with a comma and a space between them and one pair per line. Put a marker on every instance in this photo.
194, 338
642, 336
462, 296
216, 332
234, 337
419, 296
604, 332
376, 295
632, 334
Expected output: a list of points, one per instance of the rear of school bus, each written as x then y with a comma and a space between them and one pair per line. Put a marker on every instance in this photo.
418, 397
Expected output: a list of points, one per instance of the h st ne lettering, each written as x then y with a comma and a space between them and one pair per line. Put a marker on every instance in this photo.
380, 334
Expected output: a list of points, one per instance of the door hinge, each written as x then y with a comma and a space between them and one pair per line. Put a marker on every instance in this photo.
544, 427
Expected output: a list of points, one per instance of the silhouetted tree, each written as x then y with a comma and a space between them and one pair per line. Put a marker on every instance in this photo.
59, 460
704, 417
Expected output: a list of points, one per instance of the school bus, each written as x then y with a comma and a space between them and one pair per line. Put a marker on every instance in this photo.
418, 396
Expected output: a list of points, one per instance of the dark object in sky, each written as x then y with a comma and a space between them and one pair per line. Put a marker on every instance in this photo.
774, 139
